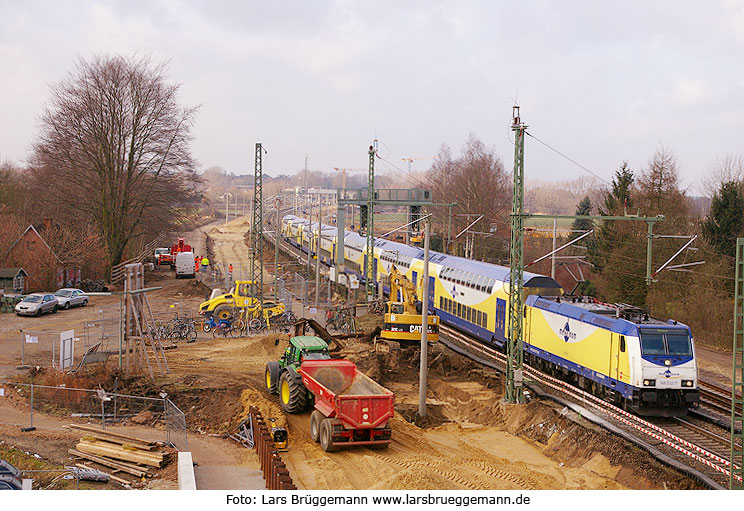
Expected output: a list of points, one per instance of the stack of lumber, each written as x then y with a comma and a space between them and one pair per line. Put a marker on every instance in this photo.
121, 453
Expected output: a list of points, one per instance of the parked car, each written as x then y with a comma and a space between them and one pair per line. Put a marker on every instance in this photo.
37, 304
69, 296
10, 477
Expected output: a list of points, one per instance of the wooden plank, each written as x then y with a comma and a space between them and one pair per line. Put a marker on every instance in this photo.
121, 454
117, 448
124, 467
113, 434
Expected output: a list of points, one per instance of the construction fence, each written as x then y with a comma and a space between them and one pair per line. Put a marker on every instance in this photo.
99, 406
100, 332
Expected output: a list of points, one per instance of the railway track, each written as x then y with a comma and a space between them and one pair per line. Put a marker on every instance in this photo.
701, 446
716, 398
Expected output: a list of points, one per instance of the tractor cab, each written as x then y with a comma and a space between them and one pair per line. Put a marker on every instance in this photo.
304, 347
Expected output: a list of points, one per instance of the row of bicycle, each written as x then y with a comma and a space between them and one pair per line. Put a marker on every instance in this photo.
235, 325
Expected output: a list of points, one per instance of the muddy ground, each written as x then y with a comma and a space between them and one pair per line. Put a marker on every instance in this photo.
469, 439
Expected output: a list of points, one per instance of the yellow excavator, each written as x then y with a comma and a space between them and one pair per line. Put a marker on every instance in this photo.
403, 313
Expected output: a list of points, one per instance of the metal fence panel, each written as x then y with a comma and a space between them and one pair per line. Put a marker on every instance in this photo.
175, 421
104, 408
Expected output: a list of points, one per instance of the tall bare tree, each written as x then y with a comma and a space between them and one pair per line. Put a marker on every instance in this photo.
477, 182
114, 148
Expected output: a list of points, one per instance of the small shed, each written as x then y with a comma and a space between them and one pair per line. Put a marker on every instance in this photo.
12, 280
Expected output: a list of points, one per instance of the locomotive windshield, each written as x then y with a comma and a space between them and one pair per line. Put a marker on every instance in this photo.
666, 342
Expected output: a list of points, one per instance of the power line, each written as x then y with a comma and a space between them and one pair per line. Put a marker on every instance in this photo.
568, 158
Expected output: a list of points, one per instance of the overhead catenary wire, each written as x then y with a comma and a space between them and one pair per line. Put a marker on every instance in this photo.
568, 158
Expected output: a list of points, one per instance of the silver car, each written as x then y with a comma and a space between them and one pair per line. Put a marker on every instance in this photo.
69, 297
37, 304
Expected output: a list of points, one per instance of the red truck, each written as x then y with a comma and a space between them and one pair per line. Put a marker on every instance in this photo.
350, 407
170, 257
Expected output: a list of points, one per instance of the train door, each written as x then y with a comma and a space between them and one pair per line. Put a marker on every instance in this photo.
431, 294
500, 318
614, 357
414, 279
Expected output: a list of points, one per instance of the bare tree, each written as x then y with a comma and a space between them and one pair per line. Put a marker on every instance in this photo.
726, 169
114, 148
476, 181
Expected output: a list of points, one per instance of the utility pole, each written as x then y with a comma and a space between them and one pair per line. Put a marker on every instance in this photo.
736, 477
514, 389
369, 273
552, 258
257, 230
424, 362
227, 207
306, 173
276, 247
317, 254
310, 242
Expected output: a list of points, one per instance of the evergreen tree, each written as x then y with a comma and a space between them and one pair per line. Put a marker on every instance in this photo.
614, 252
725, 222
584, 208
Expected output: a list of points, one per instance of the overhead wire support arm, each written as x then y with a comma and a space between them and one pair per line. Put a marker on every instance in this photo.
469, 226
675, 255
560, 248
406, 225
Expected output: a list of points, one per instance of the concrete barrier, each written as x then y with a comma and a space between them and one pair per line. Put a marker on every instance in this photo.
186, 478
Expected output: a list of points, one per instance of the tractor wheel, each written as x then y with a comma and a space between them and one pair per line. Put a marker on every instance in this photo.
292, 393
272, 376
222, 312
326, 438
315, 419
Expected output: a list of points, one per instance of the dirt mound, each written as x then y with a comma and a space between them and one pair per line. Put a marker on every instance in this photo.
192, 287
268, 407
434, 415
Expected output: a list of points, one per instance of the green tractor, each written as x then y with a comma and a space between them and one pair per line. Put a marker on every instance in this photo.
283, 377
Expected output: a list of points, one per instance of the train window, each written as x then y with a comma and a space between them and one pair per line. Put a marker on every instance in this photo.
622, 344
485, 319
479, 318
679, 344
652, 343
459, 310
441, 302
468, 313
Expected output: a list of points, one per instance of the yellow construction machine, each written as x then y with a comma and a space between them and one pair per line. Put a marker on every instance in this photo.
403, 312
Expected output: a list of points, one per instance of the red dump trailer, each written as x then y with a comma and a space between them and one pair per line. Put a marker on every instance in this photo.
350, 407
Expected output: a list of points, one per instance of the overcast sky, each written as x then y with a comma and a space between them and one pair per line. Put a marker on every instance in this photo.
600, 82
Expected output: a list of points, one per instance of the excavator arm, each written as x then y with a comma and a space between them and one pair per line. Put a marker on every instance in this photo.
400, 284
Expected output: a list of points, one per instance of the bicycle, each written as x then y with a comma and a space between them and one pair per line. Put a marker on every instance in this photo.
224, 329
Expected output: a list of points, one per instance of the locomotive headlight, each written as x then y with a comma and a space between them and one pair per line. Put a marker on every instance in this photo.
667, 362
649, 383
687, 383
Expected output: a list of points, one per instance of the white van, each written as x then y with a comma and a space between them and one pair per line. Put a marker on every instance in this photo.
185, 265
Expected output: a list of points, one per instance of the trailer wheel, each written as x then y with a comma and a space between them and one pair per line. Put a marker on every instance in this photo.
326, 440
292, 393
272, 376
315, 419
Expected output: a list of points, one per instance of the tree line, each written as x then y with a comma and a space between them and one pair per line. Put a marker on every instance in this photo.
111, 165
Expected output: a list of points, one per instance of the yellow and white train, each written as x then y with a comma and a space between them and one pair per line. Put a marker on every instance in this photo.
615, 351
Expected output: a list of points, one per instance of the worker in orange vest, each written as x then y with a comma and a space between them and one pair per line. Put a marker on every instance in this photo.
197, 259
229, 272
